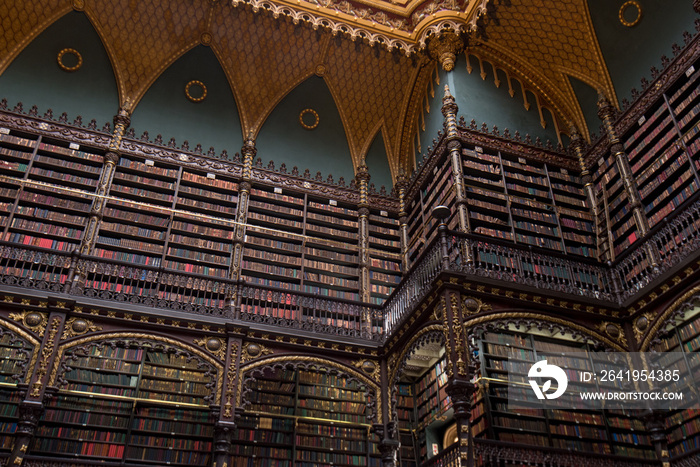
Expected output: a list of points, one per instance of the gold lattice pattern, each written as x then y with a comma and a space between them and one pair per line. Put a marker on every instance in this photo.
144, 38
550, 43
366, 106
22, 20
264, 58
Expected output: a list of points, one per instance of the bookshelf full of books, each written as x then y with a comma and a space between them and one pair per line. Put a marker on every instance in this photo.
405, 412
131, 404
598, 431
15, 354
304, 417
662, 148
436, 190
510, 197
331, 252
50, 182
385, 259
683, 426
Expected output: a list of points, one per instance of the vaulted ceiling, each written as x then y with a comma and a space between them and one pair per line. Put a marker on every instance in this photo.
371, 53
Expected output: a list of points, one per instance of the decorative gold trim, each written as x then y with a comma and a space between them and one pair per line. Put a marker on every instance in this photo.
46, 357
64, 67
230, 389
312, 112
32, 340
374, 374
137, 335
249, 353
623, 9
220, 352
513, 317
610, 329
39, 328
393, 369
190, 97
661, 318
69, 331
320, 361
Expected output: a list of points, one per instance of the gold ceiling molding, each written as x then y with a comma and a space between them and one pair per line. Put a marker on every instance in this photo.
560, 41
406, 28
144, 38
562, 104
22, 24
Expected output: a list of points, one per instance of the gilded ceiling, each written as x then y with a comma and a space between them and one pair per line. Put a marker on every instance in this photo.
371, 53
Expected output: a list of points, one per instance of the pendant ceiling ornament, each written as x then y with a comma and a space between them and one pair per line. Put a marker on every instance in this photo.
404, 25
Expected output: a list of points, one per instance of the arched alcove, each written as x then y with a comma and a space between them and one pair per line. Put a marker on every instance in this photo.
191, 101
35, 77
378, 163
305, 130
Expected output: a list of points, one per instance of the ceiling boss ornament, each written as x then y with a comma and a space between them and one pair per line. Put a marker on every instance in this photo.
444, 48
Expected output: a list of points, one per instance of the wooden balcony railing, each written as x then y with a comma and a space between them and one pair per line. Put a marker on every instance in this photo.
669, 247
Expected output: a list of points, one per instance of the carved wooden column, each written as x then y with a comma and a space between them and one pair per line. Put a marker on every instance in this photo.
454, 145
401, 186
248, 152
111, 159
362, 180
226, 424
606, 113
577, 145
654, 424
29, 414
31, 407
388, 431
452, 311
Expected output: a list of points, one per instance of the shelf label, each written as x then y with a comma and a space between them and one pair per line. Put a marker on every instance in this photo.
332, 202
690, 71
383, 213
435, 170
278, 190
211, 175
565, 172
74, 146
150, 163
522, 160
641, 120
478, 149
601, 161
4, 131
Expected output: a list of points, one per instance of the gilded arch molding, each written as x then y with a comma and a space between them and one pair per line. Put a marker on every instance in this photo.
678, 306
521, 317
138, 336
31, 339
305, 359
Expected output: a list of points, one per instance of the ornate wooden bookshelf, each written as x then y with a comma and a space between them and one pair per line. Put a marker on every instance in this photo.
304, 417
135, 404
598, 431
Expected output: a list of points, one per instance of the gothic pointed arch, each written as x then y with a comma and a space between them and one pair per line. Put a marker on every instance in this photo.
76, 348
306, 130
191, 101
22, 26
256, 368
377, 161
20, 347
82, 82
